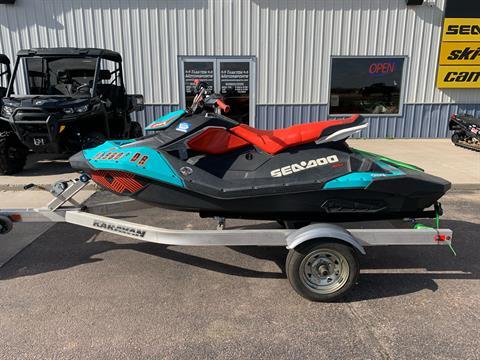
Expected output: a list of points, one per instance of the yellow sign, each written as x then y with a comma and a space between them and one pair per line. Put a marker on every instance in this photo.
467, 77
460, 53
461, 29
459, 62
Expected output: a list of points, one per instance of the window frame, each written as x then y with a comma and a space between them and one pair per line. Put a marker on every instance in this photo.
216, 76
402, 89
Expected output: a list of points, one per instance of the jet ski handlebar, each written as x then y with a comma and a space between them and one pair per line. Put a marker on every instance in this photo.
225, 108
205, 97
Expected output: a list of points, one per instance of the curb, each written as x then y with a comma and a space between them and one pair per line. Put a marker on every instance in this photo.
465, 187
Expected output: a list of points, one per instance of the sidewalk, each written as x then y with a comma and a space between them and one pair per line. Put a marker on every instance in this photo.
41, 170
437, 156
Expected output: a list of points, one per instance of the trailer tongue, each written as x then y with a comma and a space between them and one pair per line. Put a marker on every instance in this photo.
322, 264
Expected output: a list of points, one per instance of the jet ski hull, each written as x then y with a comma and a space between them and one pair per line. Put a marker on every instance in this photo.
350, 188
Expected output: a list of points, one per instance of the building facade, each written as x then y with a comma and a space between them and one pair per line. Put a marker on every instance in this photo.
277, 62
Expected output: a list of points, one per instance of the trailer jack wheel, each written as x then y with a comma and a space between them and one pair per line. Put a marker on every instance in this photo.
322, 270
6, 225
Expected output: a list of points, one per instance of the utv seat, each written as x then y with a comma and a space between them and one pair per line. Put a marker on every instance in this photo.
114, 93
275, 141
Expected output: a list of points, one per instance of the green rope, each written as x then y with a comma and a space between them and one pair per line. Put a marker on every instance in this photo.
419, 226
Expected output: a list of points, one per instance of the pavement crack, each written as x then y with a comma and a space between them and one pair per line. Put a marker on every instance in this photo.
368, 335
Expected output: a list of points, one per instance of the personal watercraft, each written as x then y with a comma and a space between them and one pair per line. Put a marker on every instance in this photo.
466, 131
202, 161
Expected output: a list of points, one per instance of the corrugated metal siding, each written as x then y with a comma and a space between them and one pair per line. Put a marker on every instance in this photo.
293, 40
418, 120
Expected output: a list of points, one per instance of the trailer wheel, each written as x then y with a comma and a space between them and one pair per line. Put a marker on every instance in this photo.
6, 225
13, 154
322, 270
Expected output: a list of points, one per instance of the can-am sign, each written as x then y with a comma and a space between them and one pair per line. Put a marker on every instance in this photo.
459, 62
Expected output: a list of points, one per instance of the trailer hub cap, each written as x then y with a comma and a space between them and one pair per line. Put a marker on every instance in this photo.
324, 271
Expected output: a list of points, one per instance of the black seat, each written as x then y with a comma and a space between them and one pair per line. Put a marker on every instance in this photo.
114, 93
470, 120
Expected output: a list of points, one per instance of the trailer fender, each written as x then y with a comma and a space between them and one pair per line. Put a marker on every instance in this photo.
321, 230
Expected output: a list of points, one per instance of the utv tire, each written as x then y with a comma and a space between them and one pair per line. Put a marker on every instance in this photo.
6, 225
93, 139
322, 270
13, 154
135, 130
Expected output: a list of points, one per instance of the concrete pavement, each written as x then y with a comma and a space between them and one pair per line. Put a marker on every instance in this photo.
23, 235
436, 156
41, 170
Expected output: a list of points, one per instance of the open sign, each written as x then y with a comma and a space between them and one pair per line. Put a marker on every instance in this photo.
382, 68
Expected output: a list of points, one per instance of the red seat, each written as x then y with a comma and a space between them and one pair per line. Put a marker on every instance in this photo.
275, 141
216, 141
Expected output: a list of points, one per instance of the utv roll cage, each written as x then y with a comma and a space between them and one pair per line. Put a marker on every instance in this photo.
99, 54
5, 73
4, 60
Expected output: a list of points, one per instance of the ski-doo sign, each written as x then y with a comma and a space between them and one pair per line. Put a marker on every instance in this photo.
459, 62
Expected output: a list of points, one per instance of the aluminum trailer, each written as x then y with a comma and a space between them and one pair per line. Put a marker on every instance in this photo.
322, 262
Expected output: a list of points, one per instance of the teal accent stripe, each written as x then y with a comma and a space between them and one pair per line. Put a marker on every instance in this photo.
353, 180
362, 179
155, 167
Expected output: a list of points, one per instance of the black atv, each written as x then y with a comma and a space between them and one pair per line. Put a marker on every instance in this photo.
62, 100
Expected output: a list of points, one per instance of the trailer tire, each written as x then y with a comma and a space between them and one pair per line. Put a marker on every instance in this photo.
322, 270
6, 225
13, 154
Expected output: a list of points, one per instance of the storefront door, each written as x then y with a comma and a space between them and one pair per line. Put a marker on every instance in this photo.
232, 77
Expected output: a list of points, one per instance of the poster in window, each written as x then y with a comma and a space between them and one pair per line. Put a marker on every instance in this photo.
366, 85
235, 88
201, 70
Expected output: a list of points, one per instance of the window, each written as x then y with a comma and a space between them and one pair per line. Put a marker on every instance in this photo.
235, 88
366, 85
58, 76
232, 77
